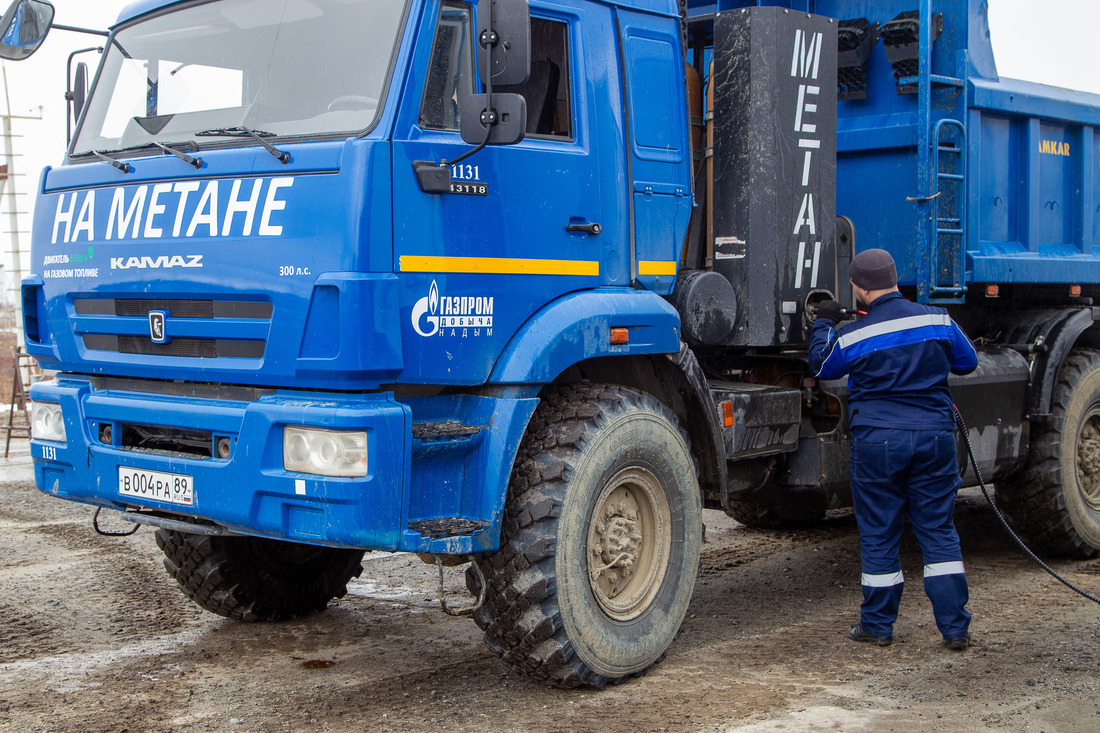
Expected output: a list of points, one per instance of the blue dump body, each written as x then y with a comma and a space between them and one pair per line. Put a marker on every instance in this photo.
972, 179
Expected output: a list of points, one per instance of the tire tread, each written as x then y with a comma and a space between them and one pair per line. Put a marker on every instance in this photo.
228, 576
1033, 502
520, 616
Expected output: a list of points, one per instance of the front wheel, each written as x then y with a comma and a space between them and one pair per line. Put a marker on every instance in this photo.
1055, 503
601, 540
257, 579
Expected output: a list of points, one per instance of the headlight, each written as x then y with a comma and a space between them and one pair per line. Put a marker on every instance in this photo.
47, 422
325, 452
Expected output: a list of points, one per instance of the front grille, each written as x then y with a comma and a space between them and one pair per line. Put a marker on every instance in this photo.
166, 440
175, 309
179, 308
194, 348
190, 348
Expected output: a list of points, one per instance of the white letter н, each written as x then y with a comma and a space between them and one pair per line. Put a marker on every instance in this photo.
236, 206
64, 215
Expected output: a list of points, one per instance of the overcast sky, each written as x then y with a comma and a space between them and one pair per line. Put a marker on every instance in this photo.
1053, 42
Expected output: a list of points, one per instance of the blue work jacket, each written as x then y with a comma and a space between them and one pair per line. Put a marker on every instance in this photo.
898, 358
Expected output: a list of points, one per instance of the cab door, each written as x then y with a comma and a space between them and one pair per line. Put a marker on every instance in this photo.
476, 263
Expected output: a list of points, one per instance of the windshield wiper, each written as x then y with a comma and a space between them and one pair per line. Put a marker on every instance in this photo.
238, 131
197, 162
242, 131
124, 167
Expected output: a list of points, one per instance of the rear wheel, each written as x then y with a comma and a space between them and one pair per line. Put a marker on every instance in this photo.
1055, 503
257, 579
600, 544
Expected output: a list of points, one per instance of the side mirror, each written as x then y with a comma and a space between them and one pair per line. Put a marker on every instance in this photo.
509, 35
504, 48
80, 90
25, 26
507, 116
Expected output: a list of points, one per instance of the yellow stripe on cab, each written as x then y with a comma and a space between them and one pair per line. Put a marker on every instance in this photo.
497, 265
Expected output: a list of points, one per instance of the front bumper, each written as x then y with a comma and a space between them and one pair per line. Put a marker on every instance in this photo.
249, 492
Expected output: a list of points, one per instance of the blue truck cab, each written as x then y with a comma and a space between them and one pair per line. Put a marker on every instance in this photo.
319, 287
529, 284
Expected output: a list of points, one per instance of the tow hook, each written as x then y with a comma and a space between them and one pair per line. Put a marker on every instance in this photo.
466, 610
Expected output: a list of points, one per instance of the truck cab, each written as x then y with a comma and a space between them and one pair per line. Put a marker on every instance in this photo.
240, 207
271, 331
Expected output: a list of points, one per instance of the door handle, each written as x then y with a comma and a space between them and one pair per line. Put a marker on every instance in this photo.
588, 228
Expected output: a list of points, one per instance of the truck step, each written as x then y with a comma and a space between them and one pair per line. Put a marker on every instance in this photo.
446, 527
446, 429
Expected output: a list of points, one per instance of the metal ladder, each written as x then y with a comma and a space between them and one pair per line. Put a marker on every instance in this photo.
19, 396
948, 235
939, 233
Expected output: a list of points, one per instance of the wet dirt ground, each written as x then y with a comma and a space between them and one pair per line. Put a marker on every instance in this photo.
94, 636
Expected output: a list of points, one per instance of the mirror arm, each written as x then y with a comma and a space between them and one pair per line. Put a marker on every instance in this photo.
434, 178
490, 43
75, 29
437, 179
69, 90
472, 151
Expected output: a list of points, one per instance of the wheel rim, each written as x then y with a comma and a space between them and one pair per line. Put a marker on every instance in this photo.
1088, 458
629, 543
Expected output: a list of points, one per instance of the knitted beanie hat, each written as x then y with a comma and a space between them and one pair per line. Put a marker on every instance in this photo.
873, 269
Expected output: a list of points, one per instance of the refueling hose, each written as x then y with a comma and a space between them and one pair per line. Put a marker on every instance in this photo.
973, 461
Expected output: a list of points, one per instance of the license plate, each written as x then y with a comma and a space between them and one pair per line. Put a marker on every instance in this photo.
174, 488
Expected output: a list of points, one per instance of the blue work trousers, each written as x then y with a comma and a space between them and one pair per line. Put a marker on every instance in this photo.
916, 473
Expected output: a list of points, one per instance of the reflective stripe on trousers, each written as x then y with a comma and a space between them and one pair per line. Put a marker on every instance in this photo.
914, 473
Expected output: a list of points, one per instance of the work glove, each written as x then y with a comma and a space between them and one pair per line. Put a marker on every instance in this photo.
830, 310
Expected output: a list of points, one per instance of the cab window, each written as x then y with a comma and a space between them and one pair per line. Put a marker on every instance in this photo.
451, 70
548, 91
451, 75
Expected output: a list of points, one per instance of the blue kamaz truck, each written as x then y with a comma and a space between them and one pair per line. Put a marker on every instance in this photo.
529, 284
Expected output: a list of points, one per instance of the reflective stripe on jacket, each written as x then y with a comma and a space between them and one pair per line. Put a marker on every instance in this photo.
898, 357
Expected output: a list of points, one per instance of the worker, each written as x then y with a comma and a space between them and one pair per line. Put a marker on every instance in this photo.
903, 461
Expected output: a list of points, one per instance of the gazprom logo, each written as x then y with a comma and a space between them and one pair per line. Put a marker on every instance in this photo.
426, 313
461, 316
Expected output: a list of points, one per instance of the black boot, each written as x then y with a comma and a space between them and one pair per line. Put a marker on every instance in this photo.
856, 633
958, 644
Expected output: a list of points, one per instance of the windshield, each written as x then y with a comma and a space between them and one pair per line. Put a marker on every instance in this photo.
279, 67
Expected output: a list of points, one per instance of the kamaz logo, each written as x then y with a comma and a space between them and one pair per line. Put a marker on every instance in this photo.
163, 262
156, 327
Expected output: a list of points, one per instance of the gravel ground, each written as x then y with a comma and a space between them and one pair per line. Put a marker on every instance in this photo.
94, 636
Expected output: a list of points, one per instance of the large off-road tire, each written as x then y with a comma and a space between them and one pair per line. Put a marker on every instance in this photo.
1055, 503
600, 544
256, 579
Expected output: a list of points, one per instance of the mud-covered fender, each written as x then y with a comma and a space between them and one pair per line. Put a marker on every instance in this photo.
578, 327
1061, 336
1045, 337
704, 425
